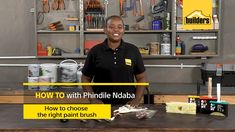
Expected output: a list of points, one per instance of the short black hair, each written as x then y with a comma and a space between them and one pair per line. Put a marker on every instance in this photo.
112, 17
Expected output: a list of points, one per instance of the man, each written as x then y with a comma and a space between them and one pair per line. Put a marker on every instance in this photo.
114, 61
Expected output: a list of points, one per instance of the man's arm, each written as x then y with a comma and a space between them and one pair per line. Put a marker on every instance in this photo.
140, 78
86, 79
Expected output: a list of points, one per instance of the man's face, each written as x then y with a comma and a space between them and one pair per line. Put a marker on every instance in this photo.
114, 30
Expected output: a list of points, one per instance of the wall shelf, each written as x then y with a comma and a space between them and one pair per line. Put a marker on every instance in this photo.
57, 32
141, 38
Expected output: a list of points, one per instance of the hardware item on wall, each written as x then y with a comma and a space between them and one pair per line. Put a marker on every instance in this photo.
144, 50
55, 26
94, 14
159, 13
179, 3
204, 37
45, 6
58, 5
40, 18
136, 6
154, 48
40, 50
156, 25
215, 22
180, 46
160, 7
200, 48
165, 44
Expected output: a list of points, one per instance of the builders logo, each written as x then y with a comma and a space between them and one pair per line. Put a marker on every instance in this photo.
197, 16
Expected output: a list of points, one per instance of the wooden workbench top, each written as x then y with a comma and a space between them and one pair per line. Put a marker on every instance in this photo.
12, 119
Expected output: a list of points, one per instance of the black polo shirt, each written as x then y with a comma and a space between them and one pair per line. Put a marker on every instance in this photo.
106, 65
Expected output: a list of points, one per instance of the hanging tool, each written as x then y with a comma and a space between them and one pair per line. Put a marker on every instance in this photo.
160, 7
124, 8
141, 12
58, 5
61, 5
106, 2
46, 6
121, 8
141, 8
180, 3
55, 5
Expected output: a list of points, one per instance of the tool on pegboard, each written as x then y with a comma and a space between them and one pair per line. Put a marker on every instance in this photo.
95, 14
45, 6
160, 7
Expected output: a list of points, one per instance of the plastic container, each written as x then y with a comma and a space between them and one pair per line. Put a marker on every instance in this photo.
50, 70
215, 22
33, 70
33, 80
68, 70
165, 49
44, 79
72, 27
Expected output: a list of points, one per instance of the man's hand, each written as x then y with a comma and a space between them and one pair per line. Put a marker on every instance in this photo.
96, 101
134, 102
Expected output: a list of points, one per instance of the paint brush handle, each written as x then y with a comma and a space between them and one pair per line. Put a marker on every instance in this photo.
218, 92
209, 87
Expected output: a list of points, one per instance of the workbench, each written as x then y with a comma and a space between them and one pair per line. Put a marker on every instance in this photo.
12, 119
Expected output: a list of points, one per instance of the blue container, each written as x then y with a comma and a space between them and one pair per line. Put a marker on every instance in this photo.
156, 25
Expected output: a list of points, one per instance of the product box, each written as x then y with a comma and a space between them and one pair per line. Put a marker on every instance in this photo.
205, 106
221, 107
220, 73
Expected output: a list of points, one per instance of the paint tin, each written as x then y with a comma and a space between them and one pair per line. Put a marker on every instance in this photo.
33, 70
68, 69
33, 80
154, 48
49, 69
44, 79
165, 49
156, 25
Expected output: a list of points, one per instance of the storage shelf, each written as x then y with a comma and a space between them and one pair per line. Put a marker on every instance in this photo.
57, 32
195, 56
176, 56
198, 31
132, 31
61, 57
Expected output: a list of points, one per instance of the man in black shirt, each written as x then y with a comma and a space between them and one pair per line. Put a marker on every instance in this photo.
114, 61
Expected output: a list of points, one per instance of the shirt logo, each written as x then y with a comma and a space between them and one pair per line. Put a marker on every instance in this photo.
128, 62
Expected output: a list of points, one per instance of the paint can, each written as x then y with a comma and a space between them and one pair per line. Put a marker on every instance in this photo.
50, 70
44, 79
33, 70
33, 80
154, 48
68, 70
156, 25
165, 49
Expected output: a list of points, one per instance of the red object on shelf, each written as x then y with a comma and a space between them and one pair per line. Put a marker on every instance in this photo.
39, 46
42, 53
91, 43
40, 50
